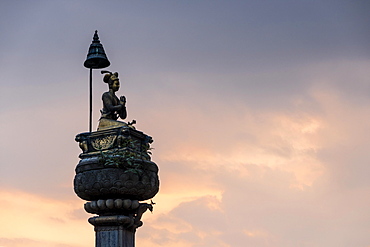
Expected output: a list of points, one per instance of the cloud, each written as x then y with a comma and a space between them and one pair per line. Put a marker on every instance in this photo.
277, 178
19, 242
260, 208
34, 220
38, 150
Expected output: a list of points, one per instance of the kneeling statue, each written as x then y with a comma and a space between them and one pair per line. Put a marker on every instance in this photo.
113, 108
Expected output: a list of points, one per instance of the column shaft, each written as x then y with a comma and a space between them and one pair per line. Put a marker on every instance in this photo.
114, 236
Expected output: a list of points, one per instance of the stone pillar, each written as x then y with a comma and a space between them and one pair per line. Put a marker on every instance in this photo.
113, 231
118, 221
114, 174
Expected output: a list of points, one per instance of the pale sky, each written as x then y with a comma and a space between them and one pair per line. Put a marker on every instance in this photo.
259, 111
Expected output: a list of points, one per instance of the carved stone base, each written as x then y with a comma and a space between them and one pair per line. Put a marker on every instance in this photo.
115, 163
114, 174
94, 180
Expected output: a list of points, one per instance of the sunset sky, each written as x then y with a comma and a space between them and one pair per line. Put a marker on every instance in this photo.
259, 111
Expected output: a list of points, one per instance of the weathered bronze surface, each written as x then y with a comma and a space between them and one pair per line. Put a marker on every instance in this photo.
113, 108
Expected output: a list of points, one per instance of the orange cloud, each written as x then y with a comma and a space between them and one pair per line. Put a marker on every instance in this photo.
277, 140
37, 219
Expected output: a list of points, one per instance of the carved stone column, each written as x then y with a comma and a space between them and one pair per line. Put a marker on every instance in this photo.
114, 174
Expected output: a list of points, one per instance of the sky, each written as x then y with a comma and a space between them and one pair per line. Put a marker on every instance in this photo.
259, 111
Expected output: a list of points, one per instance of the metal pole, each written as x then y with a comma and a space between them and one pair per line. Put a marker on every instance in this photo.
90, 123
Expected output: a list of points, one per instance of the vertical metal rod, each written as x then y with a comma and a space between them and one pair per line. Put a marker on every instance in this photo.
90, 123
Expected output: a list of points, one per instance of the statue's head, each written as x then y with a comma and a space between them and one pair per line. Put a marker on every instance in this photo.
112, 80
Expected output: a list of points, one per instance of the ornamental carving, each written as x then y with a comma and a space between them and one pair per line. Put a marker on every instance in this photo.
102, 143
116, 183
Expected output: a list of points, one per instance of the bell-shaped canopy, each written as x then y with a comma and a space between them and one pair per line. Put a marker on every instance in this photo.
96, 58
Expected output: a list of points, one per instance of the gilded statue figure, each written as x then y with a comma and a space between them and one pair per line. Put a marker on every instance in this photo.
113, 107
